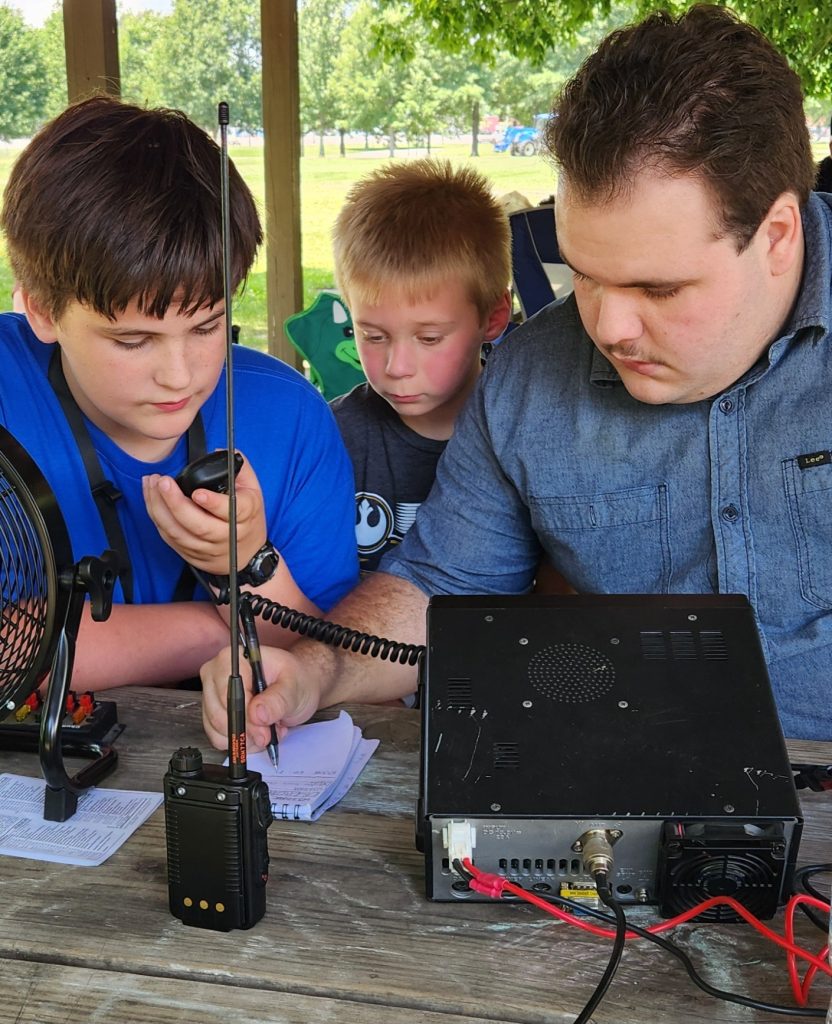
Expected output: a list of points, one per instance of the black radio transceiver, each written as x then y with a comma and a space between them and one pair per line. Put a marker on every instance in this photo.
218, 855
216, 818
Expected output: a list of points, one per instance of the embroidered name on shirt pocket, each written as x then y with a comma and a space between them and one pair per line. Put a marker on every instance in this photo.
809, 495
614, 542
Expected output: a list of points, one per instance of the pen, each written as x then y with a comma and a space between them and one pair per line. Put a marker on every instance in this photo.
256, 662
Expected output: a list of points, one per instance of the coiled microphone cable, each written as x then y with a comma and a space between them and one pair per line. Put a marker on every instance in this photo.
321, 629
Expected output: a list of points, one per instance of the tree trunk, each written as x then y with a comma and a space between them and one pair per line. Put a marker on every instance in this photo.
321, 150
366, 140
475, 128
428, 142
391, 142
343, 149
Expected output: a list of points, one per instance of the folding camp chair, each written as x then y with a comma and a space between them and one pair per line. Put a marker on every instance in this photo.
324, 336
539, 275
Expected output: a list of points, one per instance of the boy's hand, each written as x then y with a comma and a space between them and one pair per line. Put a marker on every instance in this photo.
197, 527
286, 701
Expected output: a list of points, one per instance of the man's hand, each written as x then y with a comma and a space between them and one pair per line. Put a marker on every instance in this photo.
286, 701
197, 527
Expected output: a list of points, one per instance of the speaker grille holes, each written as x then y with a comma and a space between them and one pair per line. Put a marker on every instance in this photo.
571, 673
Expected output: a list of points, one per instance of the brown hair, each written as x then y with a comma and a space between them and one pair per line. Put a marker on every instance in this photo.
111, 202
703, 94
416, 224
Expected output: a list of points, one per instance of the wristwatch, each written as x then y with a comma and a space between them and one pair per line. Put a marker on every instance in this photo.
261, 568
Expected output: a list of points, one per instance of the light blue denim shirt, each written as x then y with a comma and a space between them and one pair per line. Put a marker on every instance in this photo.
552, 454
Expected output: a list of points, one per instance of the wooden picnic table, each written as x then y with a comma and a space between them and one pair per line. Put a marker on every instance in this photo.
348, 935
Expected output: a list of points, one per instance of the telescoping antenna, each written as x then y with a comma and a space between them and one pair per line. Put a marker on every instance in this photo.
236, 696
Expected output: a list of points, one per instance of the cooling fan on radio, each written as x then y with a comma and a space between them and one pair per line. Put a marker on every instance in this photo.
709, 859
42, 593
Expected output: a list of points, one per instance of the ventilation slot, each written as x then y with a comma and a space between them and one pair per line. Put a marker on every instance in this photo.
713, 645
683, 645
506, 756
653, 647
460, 697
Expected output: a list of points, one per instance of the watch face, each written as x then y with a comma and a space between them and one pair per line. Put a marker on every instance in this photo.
262, 567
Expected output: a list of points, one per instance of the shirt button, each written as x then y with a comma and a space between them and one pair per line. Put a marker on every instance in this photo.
730, 513
726, 405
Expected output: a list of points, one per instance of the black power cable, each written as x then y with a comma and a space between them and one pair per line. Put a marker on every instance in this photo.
687, 963
605, 893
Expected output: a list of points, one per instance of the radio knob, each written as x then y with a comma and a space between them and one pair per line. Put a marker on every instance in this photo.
186, 761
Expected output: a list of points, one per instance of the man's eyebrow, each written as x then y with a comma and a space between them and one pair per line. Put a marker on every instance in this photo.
658, 284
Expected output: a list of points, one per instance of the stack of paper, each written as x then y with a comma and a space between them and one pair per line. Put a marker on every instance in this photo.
104, 820
318, 763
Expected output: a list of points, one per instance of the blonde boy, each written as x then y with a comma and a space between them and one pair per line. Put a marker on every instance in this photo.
422, 257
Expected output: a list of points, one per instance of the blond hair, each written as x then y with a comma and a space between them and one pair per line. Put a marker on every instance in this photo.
417, 224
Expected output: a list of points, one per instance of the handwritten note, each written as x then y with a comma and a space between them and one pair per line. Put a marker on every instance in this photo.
318, 764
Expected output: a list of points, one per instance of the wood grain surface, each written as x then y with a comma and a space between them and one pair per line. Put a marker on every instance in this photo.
348, 934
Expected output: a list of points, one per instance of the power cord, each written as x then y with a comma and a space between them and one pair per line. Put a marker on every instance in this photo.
687, 963
496, 887
605, 894
801, 880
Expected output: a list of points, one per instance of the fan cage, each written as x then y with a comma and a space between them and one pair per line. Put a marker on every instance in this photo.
33, 604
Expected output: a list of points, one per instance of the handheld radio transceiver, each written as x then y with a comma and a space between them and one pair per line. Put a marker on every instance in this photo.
216, 818
218, 855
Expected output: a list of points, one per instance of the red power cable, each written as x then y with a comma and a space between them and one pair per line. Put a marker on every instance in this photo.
495, 885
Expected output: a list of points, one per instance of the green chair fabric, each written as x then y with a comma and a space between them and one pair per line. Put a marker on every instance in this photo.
323, 334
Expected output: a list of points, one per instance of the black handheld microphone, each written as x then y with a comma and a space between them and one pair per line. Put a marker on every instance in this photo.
216, 818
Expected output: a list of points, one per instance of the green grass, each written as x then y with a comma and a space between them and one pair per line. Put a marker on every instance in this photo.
324, 184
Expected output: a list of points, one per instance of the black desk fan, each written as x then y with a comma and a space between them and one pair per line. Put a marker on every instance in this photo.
42, 594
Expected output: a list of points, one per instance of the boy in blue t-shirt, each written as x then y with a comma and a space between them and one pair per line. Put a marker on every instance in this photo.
422, 259
114, 379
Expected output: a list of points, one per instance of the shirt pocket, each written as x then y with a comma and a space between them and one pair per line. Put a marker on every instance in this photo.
809, 496
612, 542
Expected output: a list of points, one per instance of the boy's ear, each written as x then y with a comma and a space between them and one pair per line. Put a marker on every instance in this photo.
40, 319
498, 317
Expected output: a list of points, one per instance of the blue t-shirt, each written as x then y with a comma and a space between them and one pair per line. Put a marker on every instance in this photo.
730, 495
283, 427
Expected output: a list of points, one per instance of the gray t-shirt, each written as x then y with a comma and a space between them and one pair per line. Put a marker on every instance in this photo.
394, 470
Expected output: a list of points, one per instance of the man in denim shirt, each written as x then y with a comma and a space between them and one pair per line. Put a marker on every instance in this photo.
668, 427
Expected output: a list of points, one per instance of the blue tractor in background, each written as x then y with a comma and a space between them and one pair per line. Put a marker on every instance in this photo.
523, 140
504, 142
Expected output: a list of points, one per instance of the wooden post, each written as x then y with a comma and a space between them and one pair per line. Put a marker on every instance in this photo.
91, 41
281, 152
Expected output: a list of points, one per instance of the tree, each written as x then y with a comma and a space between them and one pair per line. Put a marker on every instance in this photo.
468, 90
367, 87
52, 50
22, 77
424, 100
801, 29
320, 26
211, 52
484, 28
141, 57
